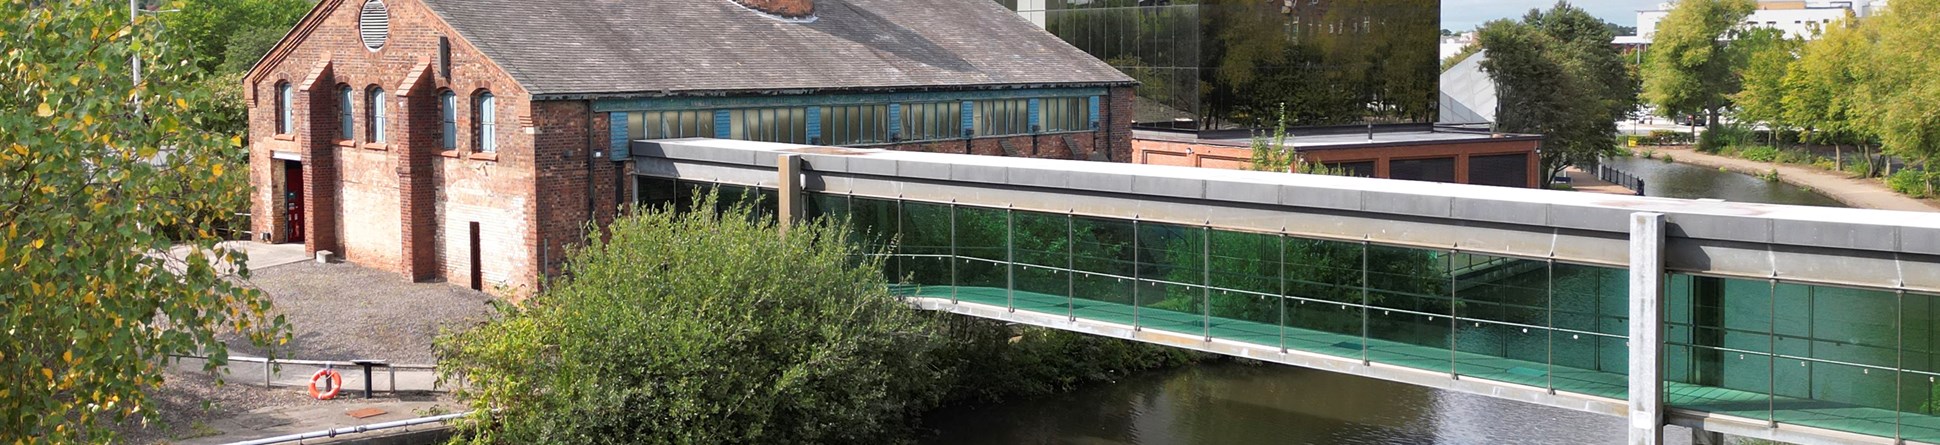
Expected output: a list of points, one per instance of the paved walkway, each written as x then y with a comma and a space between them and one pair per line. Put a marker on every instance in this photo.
260, 255
273, 422
1861, 193
1584, 182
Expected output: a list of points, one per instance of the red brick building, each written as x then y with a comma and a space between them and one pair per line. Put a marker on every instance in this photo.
1410, 152
472, 140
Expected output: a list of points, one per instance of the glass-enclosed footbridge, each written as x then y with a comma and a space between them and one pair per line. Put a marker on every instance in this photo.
1808, 325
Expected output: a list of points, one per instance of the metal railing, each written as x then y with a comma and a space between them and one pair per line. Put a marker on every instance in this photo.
271, 368
1620, 178
360, 429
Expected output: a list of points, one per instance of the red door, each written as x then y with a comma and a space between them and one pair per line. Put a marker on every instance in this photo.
293, 199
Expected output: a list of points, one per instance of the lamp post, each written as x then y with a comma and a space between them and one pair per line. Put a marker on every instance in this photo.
134, 61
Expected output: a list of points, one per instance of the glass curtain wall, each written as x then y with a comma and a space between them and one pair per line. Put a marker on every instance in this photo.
1215, 64
1844, 359
1820, 356
1474, 315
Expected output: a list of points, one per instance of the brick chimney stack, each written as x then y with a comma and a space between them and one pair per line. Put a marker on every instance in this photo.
785, 8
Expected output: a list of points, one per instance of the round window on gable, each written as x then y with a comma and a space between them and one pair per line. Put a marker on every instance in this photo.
375, 24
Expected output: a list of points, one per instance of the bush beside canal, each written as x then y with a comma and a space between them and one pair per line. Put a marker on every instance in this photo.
705, 327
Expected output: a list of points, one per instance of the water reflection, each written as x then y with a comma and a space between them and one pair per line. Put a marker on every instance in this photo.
1232, 403
1674, 180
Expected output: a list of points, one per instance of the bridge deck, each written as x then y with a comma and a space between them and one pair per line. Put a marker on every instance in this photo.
1804, 412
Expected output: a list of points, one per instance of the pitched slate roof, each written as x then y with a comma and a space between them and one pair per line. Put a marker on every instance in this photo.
624, 47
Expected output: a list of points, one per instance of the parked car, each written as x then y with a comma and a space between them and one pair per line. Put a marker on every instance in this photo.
1689, 119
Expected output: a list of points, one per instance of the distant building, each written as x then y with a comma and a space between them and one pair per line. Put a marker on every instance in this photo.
1452, 45
1468, 94
1213, 71
1803, 19
473, 140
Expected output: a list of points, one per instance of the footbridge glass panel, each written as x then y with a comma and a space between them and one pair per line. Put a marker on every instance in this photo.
1845, 359
1819, 356
1526, 321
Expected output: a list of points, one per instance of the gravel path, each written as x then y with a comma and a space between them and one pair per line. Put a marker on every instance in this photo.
183, 414
344, 312
336, 312
180, 404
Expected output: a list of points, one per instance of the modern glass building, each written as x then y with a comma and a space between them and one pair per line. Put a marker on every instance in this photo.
1219, 64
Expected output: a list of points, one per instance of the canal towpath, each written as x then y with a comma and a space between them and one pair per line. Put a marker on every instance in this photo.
1861, 193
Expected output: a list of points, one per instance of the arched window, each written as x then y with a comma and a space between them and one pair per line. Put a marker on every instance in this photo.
448, 113
285, 119
346, 113
485, 121
374, 114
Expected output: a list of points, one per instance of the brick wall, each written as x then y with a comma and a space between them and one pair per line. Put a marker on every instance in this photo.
405, 205
577, 182
1210, 155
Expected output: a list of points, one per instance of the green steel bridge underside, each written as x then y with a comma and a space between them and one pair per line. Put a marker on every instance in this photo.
1831, 338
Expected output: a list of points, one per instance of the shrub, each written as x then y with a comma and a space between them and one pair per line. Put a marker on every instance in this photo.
1760, 154
1724, 135
1668, 137
703, 327
1794, 157
1825, 164
1859, 166
991, 362
1910, 182
1667, 158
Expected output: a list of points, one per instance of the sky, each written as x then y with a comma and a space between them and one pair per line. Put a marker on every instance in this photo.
1463, 15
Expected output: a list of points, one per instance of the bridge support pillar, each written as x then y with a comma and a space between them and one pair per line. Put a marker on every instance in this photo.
791, 209
1646, 328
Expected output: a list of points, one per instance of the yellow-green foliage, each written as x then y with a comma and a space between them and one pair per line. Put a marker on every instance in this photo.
94, 191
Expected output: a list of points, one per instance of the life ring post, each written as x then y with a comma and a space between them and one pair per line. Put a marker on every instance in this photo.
333, 381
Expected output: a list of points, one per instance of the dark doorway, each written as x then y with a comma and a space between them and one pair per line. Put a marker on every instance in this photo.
478, 270
293, 200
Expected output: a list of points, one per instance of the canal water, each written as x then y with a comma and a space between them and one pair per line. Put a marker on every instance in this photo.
1233, 403
1674, 180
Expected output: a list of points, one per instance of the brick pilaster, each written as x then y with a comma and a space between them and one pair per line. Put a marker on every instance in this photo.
317, 114
416, 178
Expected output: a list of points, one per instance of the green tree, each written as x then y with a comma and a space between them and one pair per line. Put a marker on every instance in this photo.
703, 327
1556, 75
1900, 81
248, 46
95, 194
1821, 89
207, 27
1768, 58
1691, 68
1273, 153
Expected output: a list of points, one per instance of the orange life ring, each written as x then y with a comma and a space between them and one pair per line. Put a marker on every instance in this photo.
336, 383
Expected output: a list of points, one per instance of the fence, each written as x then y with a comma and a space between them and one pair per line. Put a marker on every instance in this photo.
1612, 175
422, 378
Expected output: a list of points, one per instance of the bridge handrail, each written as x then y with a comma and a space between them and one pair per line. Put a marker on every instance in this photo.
1812, 245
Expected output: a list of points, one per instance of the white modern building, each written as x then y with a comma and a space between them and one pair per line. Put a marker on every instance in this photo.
1798, 18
